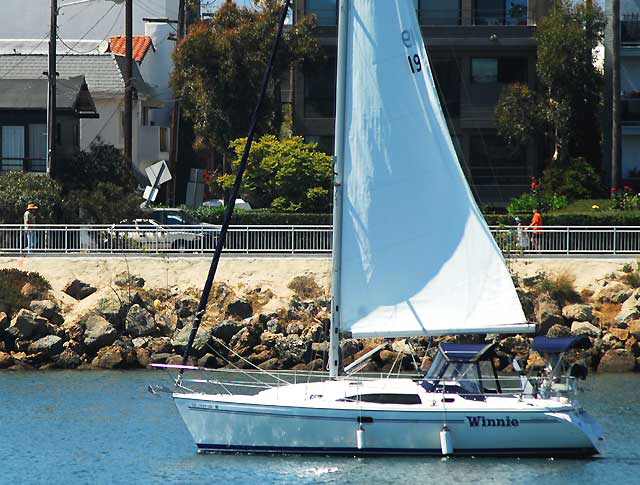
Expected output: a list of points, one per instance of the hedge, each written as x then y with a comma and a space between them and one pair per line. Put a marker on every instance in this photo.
214, 215
604, 218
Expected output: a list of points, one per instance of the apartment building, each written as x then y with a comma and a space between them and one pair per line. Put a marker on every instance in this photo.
476, 48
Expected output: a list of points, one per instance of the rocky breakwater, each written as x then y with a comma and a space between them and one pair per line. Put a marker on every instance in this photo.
135, 327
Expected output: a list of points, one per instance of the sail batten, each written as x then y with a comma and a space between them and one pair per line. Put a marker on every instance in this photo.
416, 255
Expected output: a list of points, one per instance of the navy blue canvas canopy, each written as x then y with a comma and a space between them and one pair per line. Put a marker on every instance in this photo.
562, 344
464, 352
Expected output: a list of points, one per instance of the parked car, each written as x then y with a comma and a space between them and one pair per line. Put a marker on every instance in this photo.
240, 204
149, 235
176, 217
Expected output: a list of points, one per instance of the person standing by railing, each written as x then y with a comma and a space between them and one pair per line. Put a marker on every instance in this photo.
29, 219
535, 228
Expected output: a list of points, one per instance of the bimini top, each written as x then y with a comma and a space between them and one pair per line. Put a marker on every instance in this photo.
562, 344
466, 352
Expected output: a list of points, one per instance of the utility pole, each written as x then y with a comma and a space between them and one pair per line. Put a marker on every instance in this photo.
51, 94
128, 83
175, 121
616, 139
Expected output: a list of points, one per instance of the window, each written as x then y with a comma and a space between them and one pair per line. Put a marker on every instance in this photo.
438, 12
145, 116
12, 148
320, 86
326, 11
325, 142
504, 70
501, 12
38, 148
493, 162
484, 71
385, 398
447, 77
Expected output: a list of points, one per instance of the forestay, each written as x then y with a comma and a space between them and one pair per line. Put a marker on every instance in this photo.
417, 257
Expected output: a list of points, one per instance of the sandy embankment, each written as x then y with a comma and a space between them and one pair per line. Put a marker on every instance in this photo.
242, 272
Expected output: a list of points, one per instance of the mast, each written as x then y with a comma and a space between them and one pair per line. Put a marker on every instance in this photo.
341, 87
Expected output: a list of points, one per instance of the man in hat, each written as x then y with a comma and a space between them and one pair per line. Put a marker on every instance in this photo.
29, 220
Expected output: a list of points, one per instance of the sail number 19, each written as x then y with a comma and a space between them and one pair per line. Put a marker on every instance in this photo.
414, 63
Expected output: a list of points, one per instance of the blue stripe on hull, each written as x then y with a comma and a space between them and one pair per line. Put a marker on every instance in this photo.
548, 452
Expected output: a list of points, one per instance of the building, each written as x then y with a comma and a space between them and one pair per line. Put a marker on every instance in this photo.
23, 121
476, 48
104, 73
630, 91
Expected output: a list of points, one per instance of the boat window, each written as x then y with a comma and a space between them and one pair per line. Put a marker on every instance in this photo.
436, 366
385, 398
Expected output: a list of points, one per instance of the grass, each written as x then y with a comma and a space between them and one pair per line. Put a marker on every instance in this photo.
631, 275
11, 283
560, 287
585, 205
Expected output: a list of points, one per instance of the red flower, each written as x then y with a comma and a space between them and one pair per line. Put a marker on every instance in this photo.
613, 189
627, 187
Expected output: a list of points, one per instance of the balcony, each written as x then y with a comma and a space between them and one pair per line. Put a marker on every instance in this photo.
630, 108
630, 29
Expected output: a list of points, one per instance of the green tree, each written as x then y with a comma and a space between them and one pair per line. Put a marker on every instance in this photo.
100, 163
219, 68
17, 189
566, 108
286, 175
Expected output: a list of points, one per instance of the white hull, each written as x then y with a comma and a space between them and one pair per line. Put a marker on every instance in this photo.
280, 421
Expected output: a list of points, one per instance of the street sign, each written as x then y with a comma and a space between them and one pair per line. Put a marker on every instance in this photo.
150, 193
155, 169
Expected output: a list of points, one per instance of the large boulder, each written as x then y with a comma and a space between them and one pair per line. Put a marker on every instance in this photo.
547, 313
159, 345
558, 330
585, 328
47, 309
292, 350
617, 360
226, 329
200, 344
139, 322
613, 292
240, 308
78, 289
115, 357
167, 322
50, 345
634, 328
125, 279
186, 306
630, 310
6, 360
247, 337
68, 359
26, 324
113, 311
578, 313
98, 333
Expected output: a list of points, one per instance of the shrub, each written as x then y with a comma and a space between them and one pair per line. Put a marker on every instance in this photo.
577, 179
105, 203
11, 283
304, 287
17, 189
560, 287
215, 215
631, 275
537, 200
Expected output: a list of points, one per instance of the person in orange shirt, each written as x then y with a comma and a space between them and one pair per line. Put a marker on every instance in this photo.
535, 228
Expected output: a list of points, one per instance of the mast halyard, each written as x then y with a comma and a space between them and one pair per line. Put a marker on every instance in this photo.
335, 363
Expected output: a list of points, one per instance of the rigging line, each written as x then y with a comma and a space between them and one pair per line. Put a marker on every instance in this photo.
476, 129
235, 190
96, 24
116, 110
248, 362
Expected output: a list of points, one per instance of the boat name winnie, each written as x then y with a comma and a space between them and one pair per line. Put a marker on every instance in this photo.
482, 422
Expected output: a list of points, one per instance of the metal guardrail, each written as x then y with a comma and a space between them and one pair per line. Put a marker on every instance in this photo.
119, 239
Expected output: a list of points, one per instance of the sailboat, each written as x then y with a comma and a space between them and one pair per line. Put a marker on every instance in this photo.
412, 256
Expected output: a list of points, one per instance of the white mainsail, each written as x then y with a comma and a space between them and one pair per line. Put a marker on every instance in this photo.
416, 257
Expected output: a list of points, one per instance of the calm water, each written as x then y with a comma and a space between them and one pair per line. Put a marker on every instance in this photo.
104, 427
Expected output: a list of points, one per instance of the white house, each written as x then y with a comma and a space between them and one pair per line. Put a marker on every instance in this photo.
104, 74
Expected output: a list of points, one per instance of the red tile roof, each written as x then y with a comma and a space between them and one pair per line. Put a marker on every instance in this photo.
141, 44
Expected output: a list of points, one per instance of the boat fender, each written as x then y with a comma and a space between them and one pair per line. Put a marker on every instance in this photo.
360, 437
446, 442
